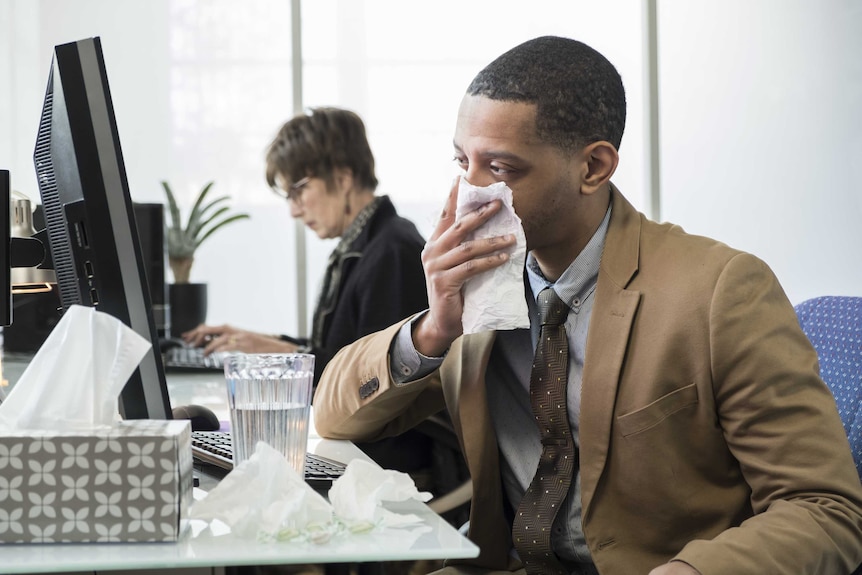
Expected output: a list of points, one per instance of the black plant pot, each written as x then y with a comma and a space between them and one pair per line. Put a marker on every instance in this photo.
188, 306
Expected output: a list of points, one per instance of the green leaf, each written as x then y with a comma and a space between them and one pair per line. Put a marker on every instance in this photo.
194, 228
195, 213
176, 221
209, 220
204, 219
221, 224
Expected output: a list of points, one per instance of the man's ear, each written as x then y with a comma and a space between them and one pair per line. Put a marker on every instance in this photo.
600, 162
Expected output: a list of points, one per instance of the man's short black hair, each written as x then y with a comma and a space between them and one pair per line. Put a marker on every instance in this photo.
578, 93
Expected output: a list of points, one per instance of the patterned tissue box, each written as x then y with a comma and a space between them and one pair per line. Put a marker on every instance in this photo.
130, 483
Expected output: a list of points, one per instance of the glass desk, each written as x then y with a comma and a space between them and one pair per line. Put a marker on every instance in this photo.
433, 538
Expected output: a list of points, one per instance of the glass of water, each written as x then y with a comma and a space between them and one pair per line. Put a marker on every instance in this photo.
269, 395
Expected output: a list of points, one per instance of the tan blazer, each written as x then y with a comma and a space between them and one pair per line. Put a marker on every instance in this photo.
705, 431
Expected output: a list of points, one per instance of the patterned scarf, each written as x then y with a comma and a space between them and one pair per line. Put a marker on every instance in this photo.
328, 297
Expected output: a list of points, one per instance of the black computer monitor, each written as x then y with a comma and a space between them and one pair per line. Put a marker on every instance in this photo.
89, 216
5, 251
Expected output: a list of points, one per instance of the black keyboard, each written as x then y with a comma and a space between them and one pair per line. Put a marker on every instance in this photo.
188, 358
214, 448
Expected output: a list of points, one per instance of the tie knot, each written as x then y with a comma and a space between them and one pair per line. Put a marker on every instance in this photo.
552, 310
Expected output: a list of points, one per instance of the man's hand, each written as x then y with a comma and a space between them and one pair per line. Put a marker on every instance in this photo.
675, 568
449, 261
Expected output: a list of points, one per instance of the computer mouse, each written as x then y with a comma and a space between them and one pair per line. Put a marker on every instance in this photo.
202, 418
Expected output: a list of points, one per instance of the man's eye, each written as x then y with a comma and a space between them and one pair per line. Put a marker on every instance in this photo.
462, 162
500, 170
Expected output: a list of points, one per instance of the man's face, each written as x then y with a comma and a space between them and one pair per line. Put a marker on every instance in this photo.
497, 141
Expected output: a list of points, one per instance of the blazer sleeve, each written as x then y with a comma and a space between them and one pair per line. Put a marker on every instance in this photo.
385, 285
357, 398
781, 424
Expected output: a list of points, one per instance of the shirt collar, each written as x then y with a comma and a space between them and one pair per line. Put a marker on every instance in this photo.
579, 279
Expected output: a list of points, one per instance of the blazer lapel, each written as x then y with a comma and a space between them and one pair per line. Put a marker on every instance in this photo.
464, 375
465, 392
610, 327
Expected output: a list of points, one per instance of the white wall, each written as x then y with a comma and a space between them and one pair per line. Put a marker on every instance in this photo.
760, 114
201, 86
22, 88
762, 133
197, 97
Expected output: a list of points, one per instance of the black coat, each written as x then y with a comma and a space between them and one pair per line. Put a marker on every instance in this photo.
381, 282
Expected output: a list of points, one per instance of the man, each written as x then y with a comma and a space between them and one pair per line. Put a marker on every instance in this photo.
704, 440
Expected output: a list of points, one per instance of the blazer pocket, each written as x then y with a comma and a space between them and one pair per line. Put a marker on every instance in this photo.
657, 411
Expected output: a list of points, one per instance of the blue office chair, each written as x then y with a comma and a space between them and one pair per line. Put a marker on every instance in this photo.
834, 326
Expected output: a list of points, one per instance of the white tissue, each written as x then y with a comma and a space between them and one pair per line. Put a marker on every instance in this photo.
357, 496
264, 498
495, 299
75, 379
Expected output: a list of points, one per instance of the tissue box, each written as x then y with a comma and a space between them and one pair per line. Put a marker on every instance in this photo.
132, 482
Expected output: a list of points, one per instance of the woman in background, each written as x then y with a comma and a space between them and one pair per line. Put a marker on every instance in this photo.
322, 164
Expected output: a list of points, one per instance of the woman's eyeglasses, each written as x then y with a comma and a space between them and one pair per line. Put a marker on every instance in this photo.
294, 190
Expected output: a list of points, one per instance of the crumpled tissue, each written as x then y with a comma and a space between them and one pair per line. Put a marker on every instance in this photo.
495, 299
357, 496
73, 381
264, 498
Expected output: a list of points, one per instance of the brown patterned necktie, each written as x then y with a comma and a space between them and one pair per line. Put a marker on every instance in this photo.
531, 530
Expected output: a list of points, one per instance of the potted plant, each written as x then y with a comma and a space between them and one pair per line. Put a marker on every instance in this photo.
188, 300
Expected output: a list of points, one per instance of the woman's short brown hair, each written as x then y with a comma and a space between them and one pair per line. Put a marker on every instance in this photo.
316, 144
